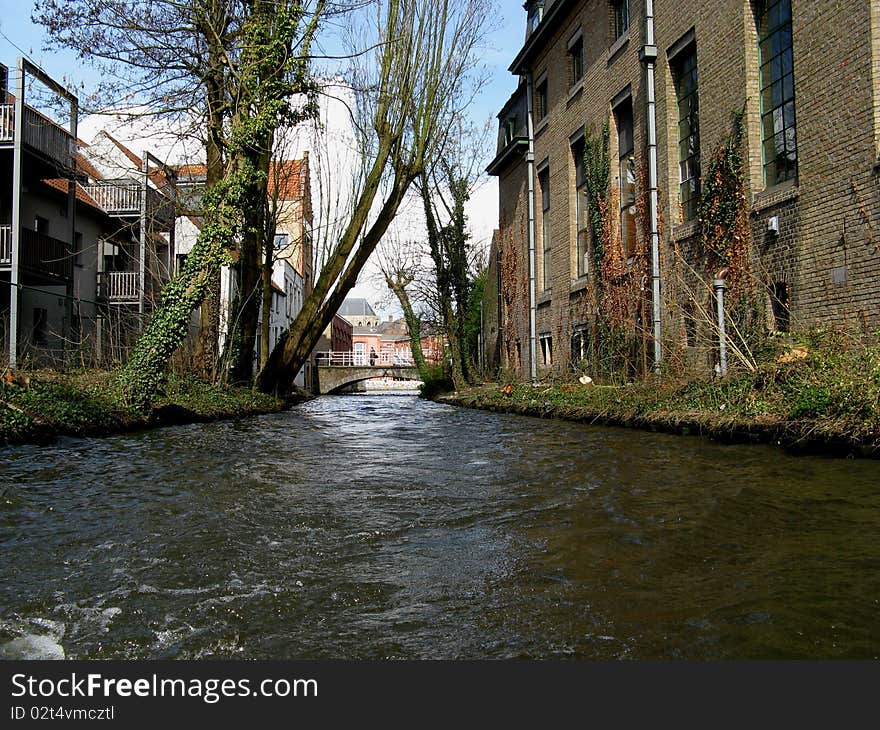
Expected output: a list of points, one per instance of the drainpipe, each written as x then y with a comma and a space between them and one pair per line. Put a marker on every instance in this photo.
648, 56
720, 284
530, 162
15, 236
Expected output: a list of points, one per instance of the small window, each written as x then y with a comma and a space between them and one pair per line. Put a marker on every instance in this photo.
582, 210
510, 125
541, 101
281, 241
580, 344
544, 181
779, 303
576, 61
41, 317
536, 14
620, 9
77, 248
547, 348
41, 225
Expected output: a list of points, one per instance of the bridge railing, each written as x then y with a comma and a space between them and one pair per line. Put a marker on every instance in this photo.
352, 359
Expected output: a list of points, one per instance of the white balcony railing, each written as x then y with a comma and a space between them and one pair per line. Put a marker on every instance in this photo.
117, 198
6, 245
7, 122
120, 286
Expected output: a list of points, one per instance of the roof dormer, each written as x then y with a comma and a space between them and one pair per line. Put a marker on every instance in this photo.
535, 13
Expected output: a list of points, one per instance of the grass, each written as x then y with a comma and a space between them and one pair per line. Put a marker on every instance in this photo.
89, 403
827, 398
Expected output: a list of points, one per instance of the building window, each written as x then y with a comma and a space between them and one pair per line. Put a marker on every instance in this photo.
544, 181
621, 18
77, 248
41, 225
580, 344
576, 61
541, 101
777, 91
779, 303
623, 117
582, 212
509, 130
536, 14
41, 317
547, 348
281, 241
685, 71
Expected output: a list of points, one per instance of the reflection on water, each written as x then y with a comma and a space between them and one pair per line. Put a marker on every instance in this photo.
369, 526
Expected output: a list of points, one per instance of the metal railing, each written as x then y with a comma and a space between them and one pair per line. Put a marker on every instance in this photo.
45, 254
356, 359
117, 198
119, 286
40, 133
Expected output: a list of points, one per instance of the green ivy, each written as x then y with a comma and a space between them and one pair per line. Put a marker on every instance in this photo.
597, 173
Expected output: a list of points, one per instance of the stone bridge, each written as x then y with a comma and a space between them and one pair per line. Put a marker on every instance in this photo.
332, 378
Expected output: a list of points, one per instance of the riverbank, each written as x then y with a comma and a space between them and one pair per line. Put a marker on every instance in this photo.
45, 405
816, 401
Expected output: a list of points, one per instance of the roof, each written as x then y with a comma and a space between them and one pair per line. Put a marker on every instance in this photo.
60, 185
554, 13
356, 307
365, 331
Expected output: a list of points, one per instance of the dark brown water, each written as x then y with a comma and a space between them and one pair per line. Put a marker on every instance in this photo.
377, 526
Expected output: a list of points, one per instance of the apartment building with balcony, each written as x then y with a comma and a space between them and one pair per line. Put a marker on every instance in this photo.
666, 79
39, 202
86, 231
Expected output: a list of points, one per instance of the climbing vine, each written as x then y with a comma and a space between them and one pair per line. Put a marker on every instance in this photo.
723, 208
597, 176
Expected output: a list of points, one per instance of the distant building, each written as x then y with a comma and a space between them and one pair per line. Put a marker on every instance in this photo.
359, 312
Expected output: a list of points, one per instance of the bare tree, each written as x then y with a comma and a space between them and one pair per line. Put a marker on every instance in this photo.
400, 266
412, 82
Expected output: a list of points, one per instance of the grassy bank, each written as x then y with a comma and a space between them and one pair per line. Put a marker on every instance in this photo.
818, 397
89, 404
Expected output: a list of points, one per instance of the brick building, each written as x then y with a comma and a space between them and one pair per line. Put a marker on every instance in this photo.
804, 75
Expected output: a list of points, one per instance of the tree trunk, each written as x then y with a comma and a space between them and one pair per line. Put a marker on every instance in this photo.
413, 325
321, 305
206, 351
267, 304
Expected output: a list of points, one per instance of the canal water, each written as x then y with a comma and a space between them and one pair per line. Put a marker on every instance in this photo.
385, 526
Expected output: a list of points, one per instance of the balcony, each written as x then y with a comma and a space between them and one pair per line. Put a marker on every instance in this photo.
119, 287
39, 133
40, 254
123, 198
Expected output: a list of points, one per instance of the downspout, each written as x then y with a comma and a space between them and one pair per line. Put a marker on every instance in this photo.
530, 162
15, 238
648, 56
719, 285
